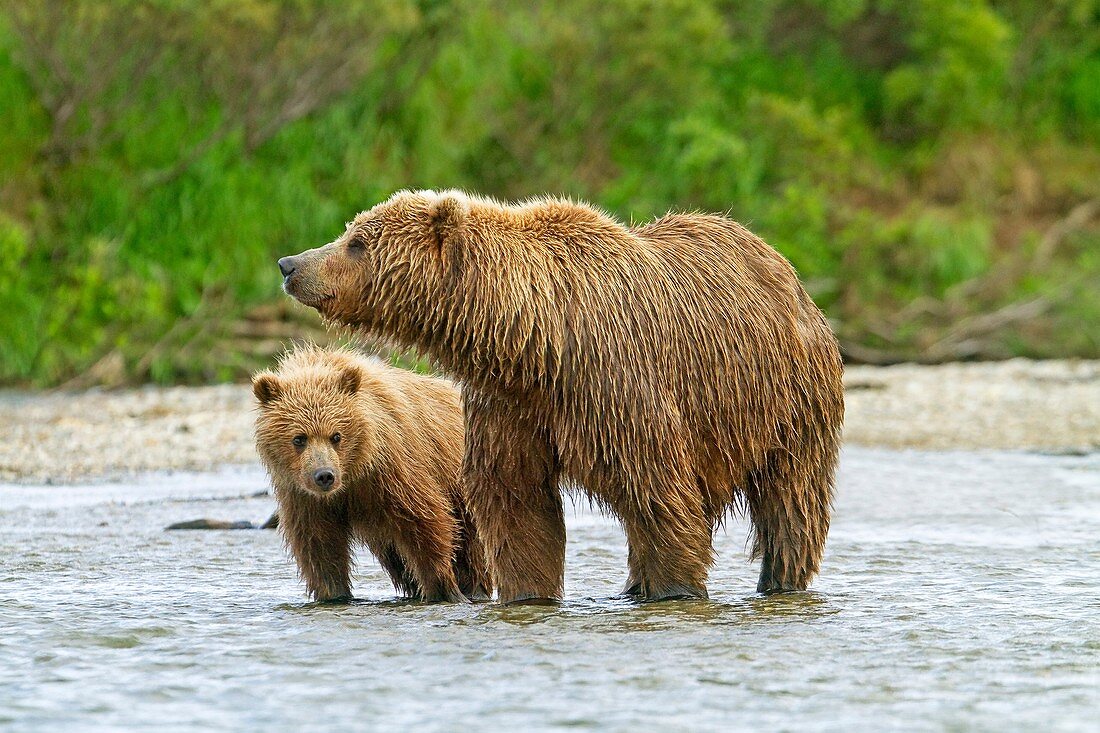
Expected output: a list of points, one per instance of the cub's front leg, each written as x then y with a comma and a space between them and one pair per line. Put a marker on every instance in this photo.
319, 536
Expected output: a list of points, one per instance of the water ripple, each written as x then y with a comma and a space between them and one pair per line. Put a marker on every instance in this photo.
959, 591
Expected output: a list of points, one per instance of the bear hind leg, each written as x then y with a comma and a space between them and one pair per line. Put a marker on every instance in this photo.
425, 551
790, 509
403, 581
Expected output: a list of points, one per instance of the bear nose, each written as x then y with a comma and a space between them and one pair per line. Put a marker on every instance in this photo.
324, 478
287, 266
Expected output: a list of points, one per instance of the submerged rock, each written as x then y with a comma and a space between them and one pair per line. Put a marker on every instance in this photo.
212, 524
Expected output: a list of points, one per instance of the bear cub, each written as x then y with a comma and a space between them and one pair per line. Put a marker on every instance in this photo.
360, 452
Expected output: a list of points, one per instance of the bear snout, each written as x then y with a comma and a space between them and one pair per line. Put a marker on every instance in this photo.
287, 266
324, 478
303, 277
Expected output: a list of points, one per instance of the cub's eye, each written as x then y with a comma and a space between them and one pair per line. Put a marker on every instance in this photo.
336, 437
356, 244
299, 441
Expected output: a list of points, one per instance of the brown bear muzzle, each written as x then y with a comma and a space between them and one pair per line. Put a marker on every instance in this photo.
287, 266
324, 478
302, 276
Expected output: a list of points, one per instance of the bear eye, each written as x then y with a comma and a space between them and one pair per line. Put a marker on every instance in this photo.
299, 441
336, 437
356, 244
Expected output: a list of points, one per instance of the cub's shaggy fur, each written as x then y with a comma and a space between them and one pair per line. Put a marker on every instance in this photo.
361, 451
673, 371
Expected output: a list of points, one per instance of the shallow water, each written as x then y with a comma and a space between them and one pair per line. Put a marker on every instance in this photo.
959, 591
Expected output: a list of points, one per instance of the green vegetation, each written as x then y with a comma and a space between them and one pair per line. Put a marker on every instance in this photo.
932, 167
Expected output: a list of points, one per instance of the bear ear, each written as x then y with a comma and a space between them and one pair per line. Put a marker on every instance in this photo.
447, 214
267, 387
350, 379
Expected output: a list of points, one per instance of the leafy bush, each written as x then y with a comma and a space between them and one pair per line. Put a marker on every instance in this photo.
930, 167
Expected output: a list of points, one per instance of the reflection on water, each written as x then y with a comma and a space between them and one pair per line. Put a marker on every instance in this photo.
959, 591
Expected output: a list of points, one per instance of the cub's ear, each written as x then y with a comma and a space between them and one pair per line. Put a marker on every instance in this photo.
267, 387
447, 215
350, 379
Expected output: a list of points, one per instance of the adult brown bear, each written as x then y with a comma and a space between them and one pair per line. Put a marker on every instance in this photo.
673, 371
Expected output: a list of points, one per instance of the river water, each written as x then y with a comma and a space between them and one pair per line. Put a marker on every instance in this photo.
960, 591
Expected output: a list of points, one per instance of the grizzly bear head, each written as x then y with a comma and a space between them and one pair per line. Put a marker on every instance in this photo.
311, 432
386, 273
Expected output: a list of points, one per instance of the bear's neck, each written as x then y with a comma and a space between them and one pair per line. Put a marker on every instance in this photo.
513, 358
486, 336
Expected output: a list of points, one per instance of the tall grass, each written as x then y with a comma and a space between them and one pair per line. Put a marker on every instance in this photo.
930, 167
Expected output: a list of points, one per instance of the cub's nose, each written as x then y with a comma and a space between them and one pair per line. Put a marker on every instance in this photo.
287, 266
324, 478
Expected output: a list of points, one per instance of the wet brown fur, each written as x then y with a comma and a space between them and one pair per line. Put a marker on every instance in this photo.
397, 465
673, 372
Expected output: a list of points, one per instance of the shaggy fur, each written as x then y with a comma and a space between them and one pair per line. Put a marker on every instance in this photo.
673, 371
396, 466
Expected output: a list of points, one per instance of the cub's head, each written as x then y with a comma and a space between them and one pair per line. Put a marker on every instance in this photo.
386, 273
310, 431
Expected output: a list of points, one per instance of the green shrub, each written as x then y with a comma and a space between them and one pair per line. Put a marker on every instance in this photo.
157, 157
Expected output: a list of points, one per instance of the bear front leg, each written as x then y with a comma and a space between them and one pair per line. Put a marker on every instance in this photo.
510, 479
319, 537
669, 540
469, 562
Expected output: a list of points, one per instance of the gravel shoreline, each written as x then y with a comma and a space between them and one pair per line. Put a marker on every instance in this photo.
69, 437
